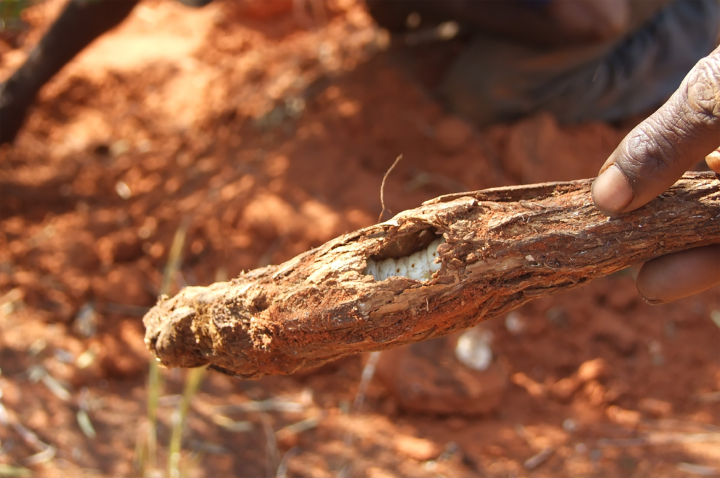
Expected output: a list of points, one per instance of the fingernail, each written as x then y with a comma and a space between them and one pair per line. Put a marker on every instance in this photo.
611, 191
653, 301
713, 161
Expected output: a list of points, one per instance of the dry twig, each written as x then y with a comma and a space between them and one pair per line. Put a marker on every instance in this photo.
661, 439
382, 186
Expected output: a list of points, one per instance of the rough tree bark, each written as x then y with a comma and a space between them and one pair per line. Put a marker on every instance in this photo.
504, 247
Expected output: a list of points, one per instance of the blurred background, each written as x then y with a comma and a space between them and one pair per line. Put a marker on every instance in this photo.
246, 132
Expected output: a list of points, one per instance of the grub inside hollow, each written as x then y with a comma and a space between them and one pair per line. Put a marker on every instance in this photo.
404, 245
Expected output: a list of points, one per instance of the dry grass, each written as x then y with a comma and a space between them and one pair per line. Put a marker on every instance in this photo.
146, 455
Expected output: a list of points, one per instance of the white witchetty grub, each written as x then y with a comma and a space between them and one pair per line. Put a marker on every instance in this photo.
419, 265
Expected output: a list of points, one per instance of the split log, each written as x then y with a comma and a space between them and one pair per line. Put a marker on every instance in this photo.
503, 247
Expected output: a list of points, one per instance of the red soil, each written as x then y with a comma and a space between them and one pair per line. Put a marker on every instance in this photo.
271, 138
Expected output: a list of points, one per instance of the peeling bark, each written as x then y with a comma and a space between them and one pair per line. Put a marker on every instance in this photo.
503, 247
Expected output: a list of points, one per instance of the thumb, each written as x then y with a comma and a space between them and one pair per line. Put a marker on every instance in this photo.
660, 149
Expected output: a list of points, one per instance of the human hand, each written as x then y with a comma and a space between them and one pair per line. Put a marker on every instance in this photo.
650, 159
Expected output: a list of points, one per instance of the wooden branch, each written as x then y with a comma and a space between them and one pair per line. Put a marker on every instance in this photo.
503, 247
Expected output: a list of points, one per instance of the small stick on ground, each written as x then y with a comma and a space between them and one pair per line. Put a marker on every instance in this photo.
503, 247
661, 439
382, 186
272, 454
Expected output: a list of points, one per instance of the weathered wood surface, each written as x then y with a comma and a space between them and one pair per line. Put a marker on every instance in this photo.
504, 247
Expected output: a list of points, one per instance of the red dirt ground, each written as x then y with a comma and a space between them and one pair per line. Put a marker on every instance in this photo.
270, 132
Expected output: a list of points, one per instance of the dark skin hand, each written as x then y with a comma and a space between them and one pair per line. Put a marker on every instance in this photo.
650, 159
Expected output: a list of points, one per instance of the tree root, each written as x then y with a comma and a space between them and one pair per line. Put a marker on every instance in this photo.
503, 247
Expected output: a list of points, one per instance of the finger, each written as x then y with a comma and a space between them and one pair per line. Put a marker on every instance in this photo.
713, 161
674, 276
661, 148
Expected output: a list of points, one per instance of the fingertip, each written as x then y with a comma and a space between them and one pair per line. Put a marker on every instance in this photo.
713, 161
611, 191
679, 275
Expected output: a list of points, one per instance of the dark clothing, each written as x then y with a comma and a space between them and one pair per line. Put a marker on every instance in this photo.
495, 80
